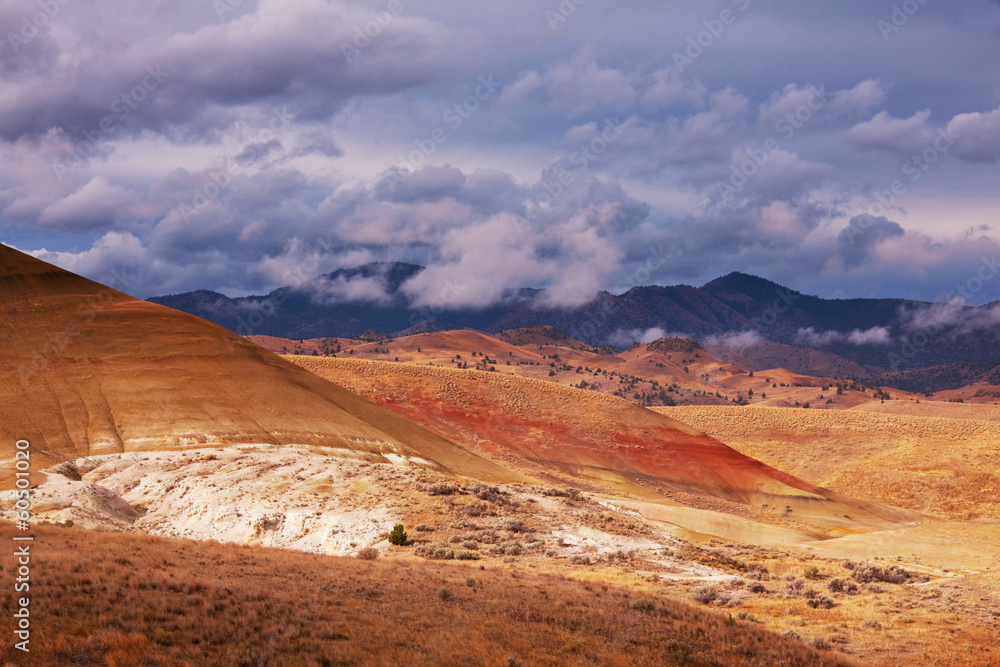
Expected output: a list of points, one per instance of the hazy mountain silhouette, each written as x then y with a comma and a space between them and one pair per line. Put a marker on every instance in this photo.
876, 333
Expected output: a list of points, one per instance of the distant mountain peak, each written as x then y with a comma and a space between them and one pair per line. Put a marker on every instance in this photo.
389, 270
737, 280
757, 288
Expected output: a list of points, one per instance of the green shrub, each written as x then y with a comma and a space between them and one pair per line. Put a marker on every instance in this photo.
398, 535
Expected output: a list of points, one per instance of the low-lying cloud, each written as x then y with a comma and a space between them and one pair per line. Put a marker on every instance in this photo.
625, 338
734, 341
954, 319
874, 336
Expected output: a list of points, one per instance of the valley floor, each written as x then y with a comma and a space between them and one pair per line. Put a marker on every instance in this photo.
557, 576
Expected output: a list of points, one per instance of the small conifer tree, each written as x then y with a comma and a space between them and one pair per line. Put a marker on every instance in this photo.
398, 535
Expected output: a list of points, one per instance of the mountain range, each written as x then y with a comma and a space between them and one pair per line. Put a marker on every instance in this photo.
912, 345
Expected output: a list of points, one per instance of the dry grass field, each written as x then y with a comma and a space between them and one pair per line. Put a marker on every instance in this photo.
944, 466
119, 599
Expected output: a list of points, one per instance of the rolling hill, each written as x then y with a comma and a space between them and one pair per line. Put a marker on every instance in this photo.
598, 441
87, 370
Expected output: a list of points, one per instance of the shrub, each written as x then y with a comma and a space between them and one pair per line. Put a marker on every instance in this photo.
163, 637
398, 535
476, 509
435, 552
820, 643
445, 593
513, 526
643, 604
706, 594
466, 555
820, 602
811, 572
869, 573
491, 494
678, 651
368, 553
795, 587
838, 585
441, 489
757, 587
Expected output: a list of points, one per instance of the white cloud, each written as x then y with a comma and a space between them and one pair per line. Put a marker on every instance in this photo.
96, 205
977, 136
875, 336
905, 136
735, 341
623, 339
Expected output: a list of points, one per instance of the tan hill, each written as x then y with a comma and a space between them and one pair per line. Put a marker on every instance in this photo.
938, 458
539, 335
769, 354
664, 372
88, 370
587, 437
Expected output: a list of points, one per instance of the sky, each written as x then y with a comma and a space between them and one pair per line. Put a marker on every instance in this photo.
845, 149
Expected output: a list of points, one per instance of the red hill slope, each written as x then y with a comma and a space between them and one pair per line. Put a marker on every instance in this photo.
544, 428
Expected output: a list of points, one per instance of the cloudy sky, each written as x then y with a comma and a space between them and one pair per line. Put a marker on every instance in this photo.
843, 148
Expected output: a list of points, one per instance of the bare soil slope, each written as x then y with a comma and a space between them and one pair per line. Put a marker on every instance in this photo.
86, 370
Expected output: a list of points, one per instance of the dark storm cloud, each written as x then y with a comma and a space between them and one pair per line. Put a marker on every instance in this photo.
865, 232
197, 79
238, 150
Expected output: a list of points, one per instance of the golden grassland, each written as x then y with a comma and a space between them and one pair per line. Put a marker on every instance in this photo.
947, 467
123, 599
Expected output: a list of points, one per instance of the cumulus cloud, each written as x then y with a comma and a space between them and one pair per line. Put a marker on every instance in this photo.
905, 136
857, 241
821, 104
977, 136
115, 259
972, 137
96, 205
